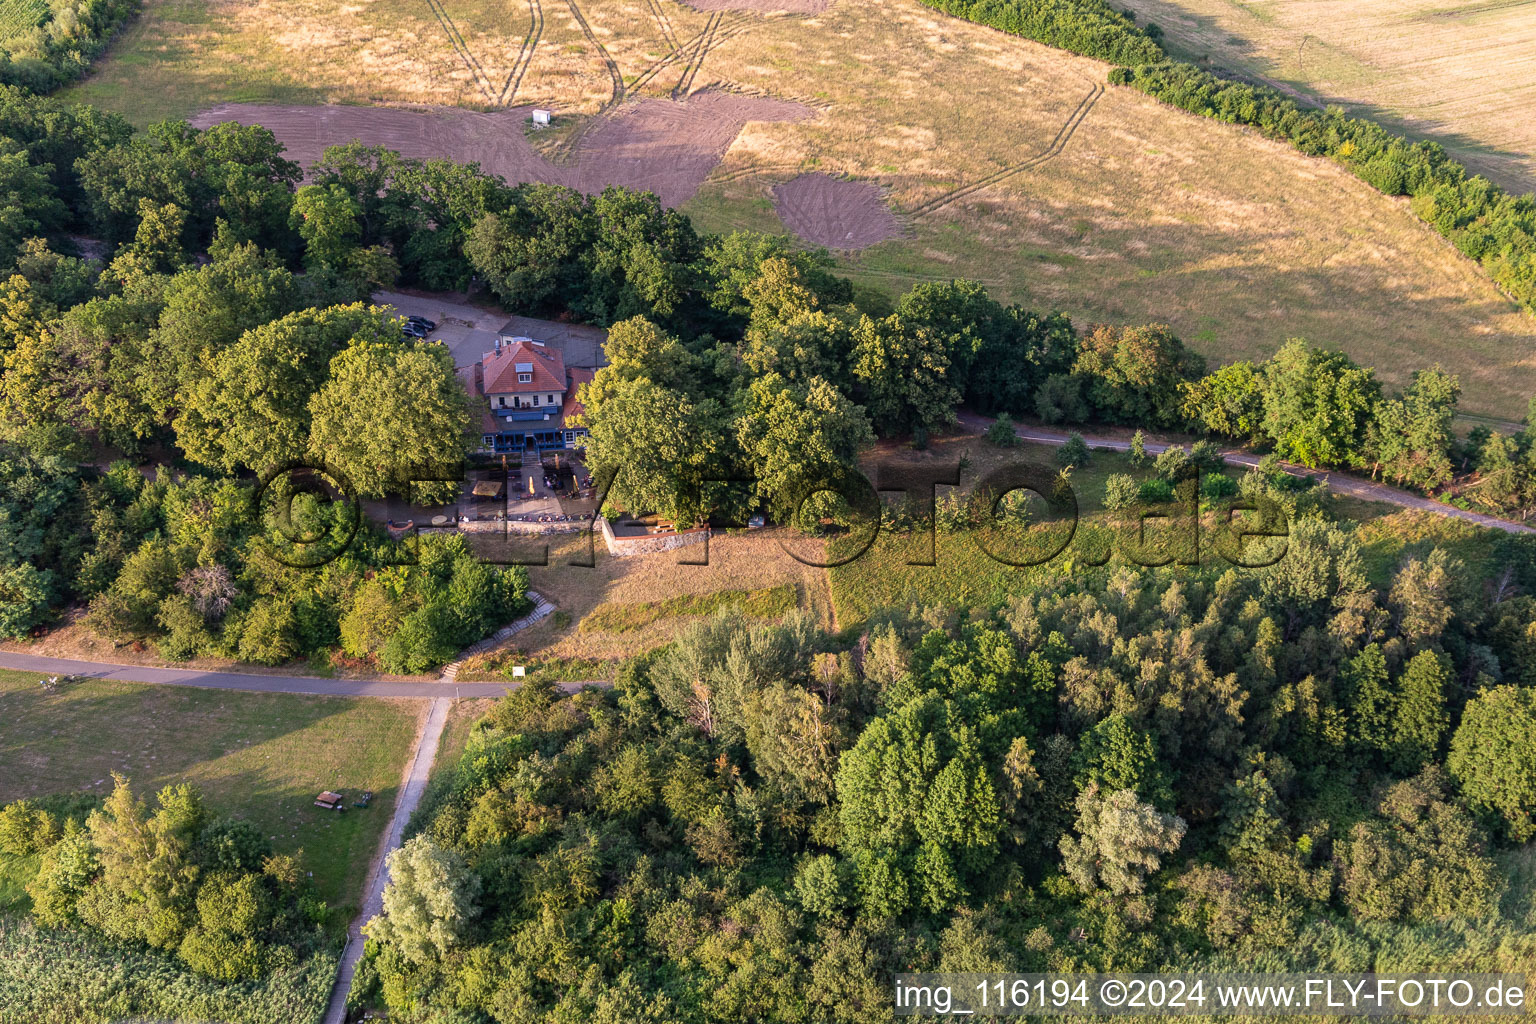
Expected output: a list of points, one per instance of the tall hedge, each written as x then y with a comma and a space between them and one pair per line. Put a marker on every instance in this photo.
1089, 27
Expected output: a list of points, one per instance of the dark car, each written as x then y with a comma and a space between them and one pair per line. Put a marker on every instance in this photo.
411, 330
420, 321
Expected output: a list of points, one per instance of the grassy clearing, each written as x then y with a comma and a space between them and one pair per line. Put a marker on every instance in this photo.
538, 669
258, 756
1143, 214
1462, 72
764, 603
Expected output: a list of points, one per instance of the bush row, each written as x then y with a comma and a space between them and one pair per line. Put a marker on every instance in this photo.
1089, 27
60, 48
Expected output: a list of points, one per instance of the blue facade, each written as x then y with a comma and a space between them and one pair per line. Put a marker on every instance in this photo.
513, 438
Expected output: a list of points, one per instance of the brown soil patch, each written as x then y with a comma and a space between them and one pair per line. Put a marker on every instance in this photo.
833, 212
665, 146
762, 6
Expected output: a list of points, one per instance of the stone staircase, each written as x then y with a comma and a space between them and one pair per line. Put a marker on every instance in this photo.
541, 608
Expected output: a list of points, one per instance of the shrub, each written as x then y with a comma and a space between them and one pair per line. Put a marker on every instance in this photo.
1155, 491
1001, 433
1060, 400
1138, 451
1073, 453
26, 829
267, 632
1207, 457
1171, 463
1120, 491
1215, 486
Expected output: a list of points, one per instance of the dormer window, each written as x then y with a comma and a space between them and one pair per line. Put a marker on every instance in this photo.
525, 378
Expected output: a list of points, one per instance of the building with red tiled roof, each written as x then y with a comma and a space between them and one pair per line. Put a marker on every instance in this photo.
524, 376
526, 395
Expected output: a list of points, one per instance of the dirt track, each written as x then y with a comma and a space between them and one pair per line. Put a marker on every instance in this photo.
668, 147
835, 213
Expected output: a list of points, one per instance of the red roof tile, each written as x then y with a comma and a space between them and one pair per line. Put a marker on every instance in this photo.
501, 369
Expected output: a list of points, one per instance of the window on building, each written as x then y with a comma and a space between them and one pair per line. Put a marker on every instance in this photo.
503, 401
535, 399
524, 378
551, 399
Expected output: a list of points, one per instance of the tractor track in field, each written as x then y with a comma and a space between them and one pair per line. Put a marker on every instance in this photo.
663, 23
691, 68
461, 47
614, 75
524, 54
698, 45
1063, 136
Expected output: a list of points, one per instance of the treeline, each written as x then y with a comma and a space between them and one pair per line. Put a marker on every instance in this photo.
1482, 220
168, 876
59, 47
1126, 770
1090, 27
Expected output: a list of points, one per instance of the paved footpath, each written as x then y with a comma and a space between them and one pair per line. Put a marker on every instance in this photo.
445, 686
312, 685
1339, 483
373, 899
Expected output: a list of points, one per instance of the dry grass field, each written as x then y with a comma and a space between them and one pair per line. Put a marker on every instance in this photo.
1462, 72
1003, 160
624, 606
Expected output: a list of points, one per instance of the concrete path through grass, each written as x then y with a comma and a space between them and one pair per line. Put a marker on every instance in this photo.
373, 897
445, 686
312, 685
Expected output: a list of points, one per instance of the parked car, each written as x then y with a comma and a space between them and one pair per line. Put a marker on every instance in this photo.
411, 330
420, 321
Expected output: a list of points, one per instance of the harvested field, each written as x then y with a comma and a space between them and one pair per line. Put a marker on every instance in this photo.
668, 147
833, 212
1050, 188
1462, 72
671, 147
